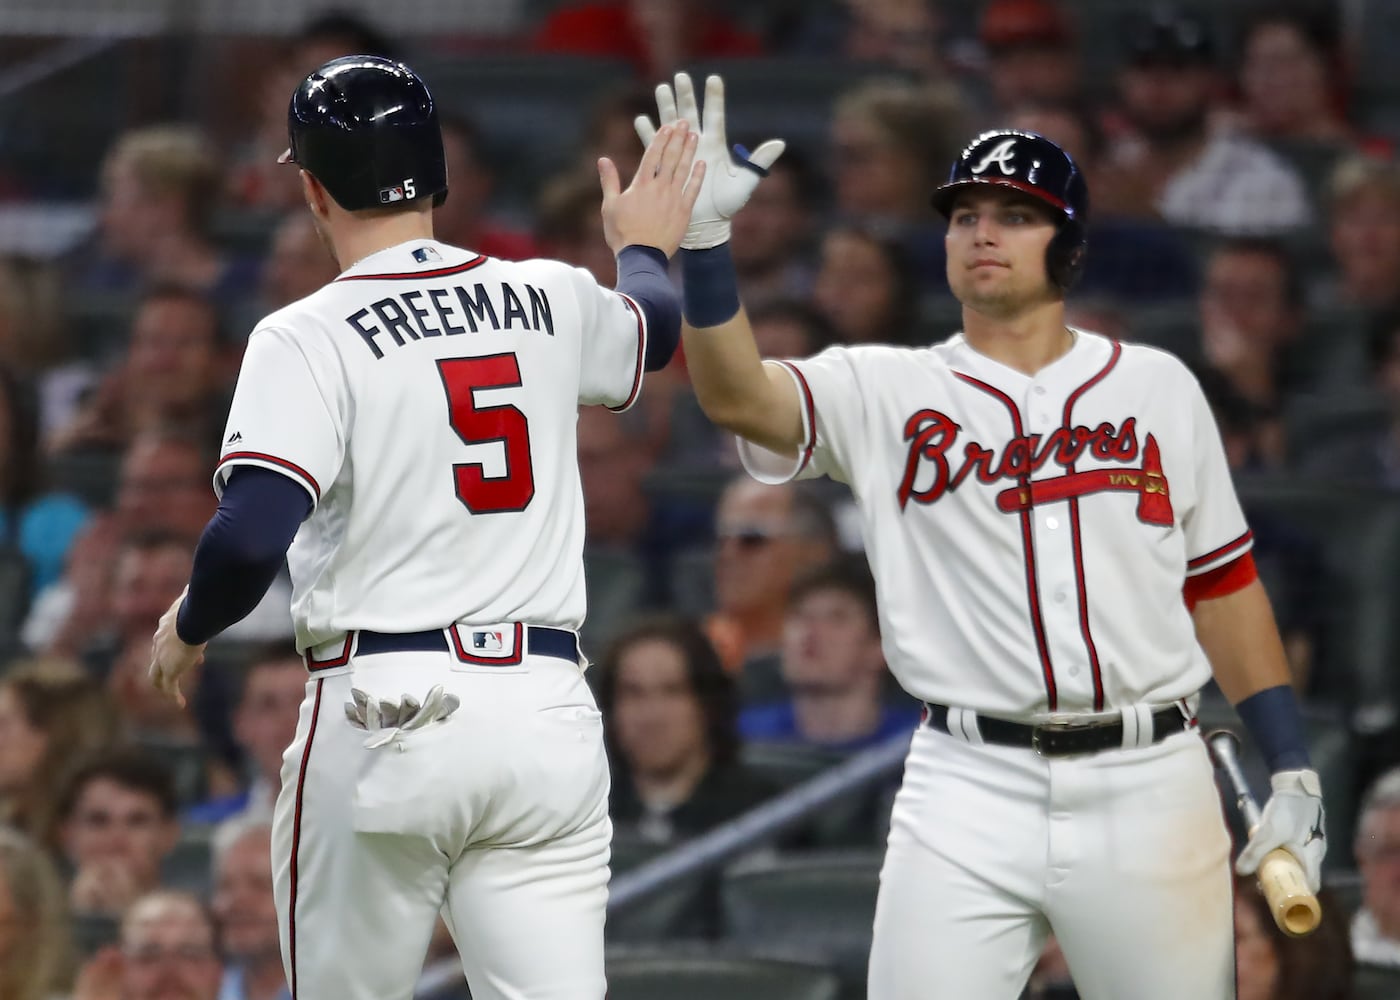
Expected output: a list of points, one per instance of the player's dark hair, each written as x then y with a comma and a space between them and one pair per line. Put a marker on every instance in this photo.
904, 298
1294, 292
709, 682
362, 37
263, 655
132, 768
817, 328
847, 574
1319, 966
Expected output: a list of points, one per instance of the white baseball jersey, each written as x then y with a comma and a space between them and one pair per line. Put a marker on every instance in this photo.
427, 400
1030, 535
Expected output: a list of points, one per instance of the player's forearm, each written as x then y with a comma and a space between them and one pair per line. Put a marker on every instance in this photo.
733, 386
1241, 640
641, 275
241, 551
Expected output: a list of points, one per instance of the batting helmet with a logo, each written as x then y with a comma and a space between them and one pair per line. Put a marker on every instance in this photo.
366, 128
1030, 163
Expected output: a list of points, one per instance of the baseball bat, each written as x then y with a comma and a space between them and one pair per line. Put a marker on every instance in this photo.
1281, 879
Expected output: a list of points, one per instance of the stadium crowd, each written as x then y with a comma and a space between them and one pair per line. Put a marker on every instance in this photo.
1246, 216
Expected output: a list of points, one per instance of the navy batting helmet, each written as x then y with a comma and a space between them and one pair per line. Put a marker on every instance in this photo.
1033, 164
366, 128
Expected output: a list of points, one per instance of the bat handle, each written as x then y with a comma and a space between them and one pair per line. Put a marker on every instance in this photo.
1295, 908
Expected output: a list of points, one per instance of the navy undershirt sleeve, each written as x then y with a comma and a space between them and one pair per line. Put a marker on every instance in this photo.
241, 551
641, 275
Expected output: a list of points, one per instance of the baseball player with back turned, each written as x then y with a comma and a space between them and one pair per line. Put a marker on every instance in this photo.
409, 431
1036, 502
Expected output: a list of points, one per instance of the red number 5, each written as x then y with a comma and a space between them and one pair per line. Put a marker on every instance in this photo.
461, 377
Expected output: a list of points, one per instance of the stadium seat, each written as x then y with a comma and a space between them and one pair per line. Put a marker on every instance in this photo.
695, 974
1346, 890
191, 865
813, 905
616, 585
684, 910
1375, 982
692, 582
1315, 423
1359, 532
787, 764
1171, 326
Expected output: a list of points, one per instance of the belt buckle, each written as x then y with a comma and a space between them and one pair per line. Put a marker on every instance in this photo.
1053, 725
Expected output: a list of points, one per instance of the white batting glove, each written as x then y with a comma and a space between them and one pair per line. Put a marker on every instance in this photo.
1292, 819
728, 182
389, 720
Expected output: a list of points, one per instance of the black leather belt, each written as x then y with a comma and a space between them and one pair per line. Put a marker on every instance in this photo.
536, 640
1060, 739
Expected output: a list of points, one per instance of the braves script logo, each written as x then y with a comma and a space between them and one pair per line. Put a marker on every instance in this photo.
932, 436
1003, 155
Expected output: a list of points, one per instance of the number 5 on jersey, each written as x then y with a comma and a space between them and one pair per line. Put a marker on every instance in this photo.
474, 424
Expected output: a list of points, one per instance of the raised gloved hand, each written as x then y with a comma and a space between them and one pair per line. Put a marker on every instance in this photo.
388, 720
1292, 819
728, 181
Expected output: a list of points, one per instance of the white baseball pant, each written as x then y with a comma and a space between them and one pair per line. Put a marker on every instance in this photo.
1123, 853
495, 817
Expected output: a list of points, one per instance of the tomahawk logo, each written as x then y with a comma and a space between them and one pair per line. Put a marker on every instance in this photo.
1003, 155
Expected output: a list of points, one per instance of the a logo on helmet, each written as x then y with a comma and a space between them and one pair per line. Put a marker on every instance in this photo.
1003, 155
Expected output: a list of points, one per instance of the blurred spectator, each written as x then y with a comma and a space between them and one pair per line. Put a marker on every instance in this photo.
670, 711
790, 328
168, 950
1032, 53
117, 825
833, 667
1289, 560
1291, 77
462, 219
1375, 930
1193, 175
246, 913
889, 139
297, 264
1099, 315
1270, 965
39, 523
172, 375
1364, 197
1251, 314
866, 287
150, 571
264, 723
658, 37
257, 180
34, 339
164, 484
765, 537
902, 35
34, 947
160, 187
610, 130
52, 715
1133, 257
772, 232
1369, 456
569, 224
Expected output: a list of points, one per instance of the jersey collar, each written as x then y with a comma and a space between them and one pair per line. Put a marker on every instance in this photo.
411, 259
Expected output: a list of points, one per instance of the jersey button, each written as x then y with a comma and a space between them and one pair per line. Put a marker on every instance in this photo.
1061, 595
1040, 390
1052, 523
1074, 671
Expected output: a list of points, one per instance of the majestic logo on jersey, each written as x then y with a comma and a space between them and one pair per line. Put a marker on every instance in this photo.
929, 473
1003, 155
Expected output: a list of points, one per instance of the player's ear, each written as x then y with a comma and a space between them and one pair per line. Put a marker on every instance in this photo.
315, 194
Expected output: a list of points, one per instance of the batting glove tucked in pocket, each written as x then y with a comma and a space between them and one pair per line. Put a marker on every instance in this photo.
1292, 819
388, 720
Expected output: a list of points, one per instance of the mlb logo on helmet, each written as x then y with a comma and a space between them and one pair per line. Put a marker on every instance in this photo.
389, 195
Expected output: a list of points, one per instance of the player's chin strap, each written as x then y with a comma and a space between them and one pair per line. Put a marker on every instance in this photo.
388, 720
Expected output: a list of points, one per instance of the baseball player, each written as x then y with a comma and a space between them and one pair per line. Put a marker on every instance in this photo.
408, 430
1035, 502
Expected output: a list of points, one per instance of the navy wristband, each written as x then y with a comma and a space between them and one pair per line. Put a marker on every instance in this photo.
1274, 723
709, 286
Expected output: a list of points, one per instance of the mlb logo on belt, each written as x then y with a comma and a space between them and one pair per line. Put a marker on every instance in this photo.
488, 642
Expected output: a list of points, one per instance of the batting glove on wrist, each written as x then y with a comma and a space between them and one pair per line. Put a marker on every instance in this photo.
1292, 819
388, 720
728, 181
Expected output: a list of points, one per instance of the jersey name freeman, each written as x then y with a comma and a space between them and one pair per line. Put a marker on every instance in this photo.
419, 313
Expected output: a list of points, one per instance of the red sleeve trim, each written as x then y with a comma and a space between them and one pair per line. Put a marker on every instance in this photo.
811, 411
281, 463
641, 354
1221, 552
1221, 581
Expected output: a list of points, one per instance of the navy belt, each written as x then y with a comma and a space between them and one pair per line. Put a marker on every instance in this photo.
534, 640
1060, 739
